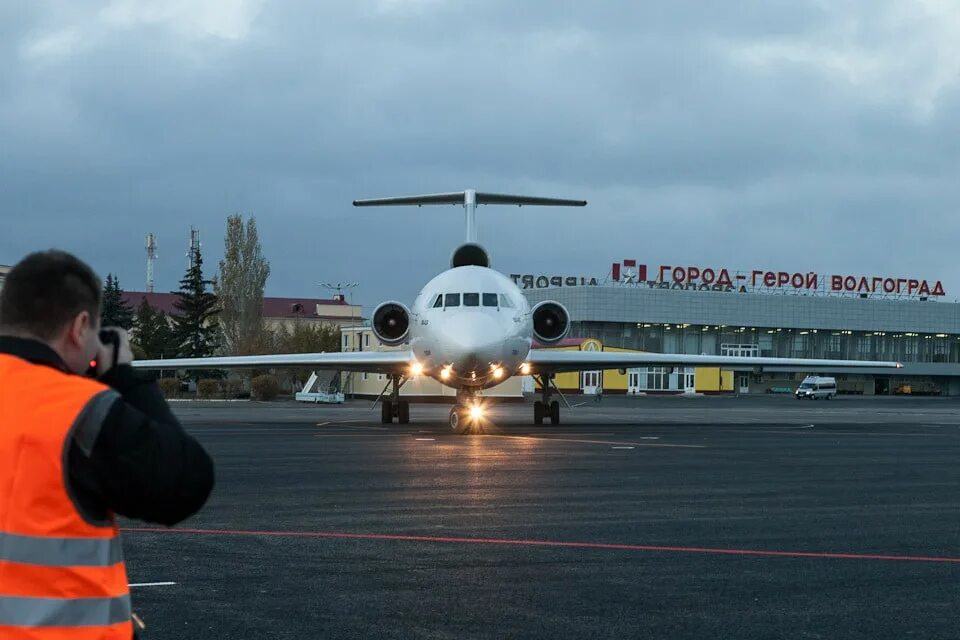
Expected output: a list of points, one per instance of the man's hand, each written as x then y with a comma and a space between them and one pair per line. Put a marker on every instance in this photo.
105, 354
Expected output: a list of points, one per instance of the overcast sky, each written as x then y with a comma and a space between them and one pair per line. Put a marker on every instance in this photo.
782, 135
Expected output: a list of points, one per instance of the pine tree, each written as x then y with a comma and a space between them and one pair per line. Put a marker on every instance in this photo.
116, 311
153, 334
195, 327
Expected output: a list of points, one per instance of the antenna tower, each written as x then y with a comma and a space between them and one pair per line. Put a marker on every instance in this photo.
339, 287
194, 254
151, 245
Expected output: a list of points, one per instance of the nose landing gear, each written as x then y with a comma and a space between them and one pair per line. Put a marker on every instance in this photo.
466, 413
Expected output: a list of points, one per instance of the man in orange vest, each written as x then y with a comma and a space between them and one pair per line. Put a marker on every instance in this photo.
75, 450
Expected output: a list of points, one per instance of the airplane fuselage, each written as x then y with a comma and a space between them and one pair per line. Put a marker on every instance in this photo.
471, 328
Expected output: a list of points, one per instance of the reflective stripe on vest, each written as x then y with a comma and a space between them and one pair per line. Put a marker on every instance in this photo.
60, 552
63, 612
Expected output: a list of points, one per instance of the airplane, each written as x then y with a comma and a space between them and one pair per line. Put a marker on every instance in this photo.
471, 328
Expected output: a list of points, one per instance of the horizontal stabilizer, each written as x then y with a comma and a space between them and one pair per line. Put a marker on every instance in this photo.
469, 200
461, 198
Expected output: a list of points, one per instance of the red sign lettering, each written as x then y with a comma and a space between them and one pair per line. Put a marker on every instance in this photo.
697, 277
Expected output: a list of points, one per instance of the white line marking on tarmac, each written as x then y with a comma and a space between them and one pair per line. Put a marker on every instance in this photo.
621, 447
649, 437
151, 584
346, 426
426, 439
540, 434
322, 424
357, 435
636, 444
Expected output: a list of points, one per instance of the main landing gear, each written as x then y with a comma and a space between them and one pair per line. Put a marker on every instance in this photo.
546, 408
395, 407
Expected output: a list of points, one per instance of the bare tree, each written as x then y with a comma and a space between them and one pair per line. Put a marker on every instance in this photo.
239, 288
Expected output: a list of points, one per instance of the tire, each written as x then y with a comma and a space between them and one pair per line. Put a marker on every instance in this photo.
538, 412
403, 412
457, 423
386, 412
554, 412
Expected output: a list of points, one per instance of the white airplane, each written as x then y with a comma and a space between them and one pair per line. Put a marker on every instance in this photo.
471, 328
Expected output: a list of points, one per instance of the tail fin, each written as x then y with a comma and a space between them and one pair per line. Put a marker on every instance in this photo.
469, 199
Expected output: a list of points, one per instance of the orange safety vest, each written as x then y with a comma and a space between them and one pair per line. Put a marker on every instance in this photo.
61, 576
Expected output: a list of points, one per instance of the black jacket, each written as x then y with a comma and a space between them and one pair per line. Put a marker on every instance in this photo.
142, 463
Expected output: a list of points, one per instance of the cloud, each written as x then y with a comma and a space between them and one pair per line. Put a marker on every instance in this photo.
780, 133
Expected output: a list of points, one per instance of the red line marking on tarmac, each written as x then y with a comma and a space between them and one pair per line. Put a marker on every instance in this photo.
548, 543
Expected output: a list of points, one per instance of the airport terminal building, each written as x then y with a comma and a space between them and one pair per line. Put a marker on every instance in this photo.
696, 310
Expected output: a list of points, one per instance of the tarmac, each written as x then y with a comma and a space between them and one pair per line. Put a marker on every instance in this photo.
651, 517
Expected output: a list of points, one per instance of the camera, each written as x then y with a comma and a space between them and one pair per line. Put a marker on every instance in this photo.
107, 337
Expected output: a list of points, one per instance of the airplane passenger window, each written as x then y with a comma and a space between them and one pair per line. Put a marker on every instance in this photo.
438, 302
471, 299
452, 300
505, 301
490, 300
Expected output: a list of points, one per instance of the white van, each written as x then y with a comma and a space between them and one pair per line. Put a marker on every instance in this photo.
814, 387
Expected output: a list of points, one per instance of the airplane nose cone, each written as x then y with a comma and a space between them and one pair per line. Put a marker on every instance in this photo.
474, 337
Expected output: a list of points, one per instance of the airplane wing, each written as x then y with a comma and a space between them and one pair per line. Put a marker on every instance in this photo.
554, 360
368, 361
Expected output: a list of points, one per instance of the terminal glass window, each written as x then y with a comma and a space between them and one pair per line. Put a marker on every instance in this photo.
657, 379
451, 300
490, 300
471, 299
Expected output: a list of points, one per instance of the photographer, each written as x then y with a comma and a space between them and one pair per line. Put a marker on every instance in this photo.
76, 447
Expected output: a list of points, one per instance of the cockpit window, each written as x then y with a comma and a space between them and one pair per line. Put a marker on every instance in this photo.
438, 302
471, 299
451, 300
505, 301
490, 300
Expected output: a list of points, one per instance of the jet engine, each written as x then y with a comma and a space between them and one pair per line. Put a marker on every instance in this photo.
551, 322
391, 323
470, 255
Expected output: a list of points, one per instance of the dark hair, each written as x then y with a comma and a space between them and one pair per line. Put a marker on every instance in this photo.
45, 291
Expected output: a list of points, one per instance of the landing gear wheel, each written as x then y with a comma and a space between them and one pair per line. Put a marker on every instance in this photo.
554, 412
403, 412
386, 412
457, 422
538, 412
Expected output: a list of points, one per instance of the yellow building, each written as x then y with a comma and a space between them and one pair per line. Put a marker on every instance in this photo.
641, 380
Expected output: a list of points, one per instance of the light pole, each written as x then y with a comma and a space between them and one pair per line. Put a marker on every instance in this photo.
339, 287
